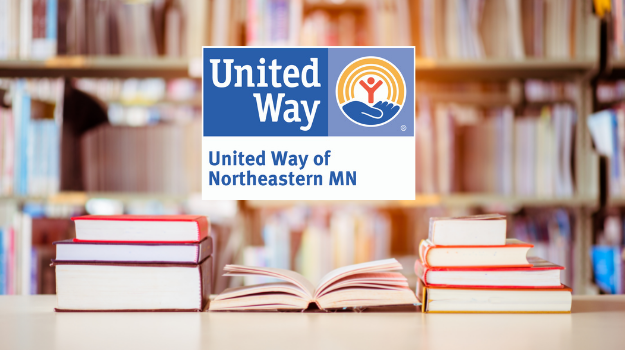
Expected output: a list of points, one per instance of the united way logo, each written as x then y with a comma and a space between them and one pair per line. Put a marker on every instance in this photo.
370, 91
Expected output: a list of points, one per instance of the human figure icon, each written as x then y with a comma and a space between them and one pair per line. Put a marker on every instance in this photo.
370, 86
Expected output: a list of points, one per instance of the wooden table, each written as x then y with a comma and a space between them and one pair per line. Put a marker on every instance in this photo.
29, 322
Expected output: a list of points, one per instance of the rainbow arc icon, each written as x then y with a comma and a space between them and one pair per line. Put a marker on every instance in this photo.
358, 96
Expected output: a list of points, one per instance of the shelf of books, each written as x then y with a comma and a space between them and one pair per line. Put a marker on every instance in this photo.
606, 238
459, 200
98, 122
497, 69
90, 66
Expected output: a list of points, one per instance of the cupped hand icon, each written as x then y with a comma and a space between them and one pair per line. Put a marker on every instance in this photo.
364, 114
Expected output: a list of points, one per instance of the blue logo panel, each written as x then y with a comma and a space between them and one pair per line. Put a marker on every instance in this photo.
233, 110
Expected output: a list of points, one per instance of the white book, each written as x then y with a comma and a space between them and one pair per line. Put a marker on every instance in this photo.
221, 18
452, 30
424, 128
25, 254
473, 300
477, 230
444, 148
296, 12
26, 28
542, 274
5, 29
507, 138
519, 157
515, 31
426, 20
476, 8
90, 286
569, 123
193, 253
141, 228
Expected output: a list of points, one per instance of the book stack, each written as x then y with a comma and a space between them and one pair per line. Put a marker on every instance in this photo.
468, 265
135, 263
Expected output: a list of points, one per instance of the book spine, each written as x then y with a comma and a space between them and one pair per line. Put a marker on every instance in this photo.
5, 32
3, 262
25, 254
25, 28
51, 27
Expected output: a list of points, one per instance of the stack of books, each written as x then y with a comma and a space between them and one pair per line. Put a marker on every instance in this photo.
468, 265
135, 263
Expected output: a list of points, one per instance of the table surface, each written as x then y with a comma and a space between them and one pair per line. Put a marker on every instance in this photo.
29, 322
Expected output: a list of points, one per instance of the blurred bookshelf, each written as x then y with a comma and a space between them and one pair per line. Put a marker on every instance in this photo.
498, 69
151, 97
495, 202
85, 66
81, 198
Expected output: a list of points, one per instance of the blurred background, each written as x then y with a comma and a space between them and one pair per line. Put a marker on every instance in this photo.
100, 113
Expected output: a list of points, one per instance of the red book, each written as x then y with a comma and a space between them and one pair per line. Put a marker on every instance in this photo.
543, 274
513, 254
141, 228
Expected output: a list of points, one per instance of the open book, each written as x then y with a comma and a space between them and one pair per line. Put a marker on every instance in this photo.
361, 285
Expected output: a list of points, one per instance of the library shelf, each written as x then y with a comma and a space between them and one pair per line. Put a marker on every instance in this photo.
616, 201
497, 69
615, 70
426, 69
96, 66
335, 6
482, 99
491, 201
80, 198
195, 102
498, 201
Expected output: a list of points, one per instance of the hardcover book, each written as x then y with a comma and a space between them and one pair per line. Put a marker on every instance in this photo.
542, 274
476, 230
513, 254
106, 286
193, 253
356, 286
494, 300
141, 228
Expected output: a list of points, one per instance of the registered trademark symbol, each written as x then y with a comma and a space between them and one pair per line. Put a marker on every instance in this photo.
403, 128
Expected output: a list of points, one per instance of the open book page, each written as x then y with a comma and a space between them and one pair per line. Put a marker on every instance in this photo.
380, 280
285, 275
368, 267
279, 287
362, 285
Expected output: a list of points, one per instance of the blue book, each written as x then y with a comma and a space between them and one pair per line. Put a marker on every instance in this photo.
616, 150
51, 18
607, 267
